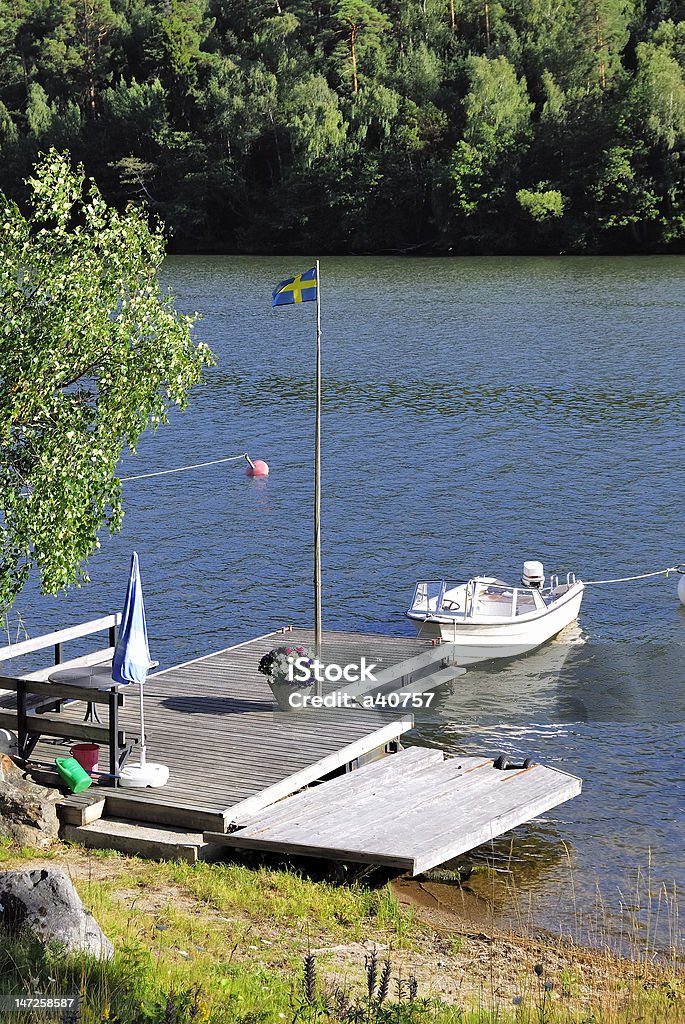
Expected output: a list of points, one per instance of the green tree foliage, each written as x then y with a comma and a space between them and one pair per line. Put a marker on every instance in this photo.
314, 121
460, 125
659, 91
91, 353
497, 130
541, 203
362, 25
182, 26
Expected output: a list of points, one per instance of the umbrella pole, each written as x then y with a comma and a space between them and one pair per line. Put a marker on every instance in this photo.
131, 663
142, 727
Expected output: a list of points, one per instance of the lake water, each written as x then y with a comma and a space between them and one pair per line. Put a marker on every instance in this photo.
477, 412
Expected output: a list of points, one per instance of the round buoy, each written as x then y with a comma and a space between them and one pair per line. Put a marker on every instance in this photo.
681, 589
257, 468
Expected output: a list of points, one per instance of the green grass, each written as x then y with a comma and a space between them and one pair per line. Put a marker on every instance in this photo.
225, 944
10, 854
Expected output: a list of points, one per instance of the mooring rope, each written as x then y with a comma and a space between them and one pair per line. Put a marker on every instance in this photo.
643, 576
182, 469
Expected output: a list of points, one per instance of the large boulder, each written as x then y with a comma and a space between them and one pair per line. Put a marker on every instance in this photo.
28, 814
45, 903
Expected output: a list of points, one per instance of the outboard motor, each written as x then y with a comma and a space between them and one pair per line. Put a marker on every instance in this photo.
533, 575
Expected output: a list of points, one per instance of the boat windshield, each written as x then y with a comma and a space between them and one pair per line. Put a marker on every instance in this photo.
480, 596
428, 596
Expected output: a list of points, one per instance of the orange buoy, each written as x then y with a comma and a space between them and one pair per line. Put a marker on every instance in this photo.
257, 468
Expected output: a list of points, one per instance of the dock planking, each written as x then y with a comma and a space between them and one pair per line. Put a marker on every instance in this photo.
230, 753
413, 811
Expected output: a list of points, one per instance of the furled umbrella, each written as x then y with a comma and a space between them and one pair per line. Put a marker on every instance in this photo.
130, 664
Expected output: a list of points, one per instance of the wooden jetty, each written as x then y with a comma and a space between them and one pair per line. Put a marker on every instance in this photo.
413, 811
236, 763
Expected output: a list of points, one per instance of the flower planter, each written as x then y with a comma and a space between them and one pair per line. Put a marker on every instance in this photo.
283, 691
277, 666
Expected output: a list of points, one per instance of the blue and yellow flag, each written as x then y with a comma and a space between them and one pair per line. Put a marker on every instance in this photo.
296, 289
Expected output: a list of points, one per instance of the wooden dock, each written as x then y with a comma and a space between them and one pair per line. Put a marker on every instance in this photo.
212, 721
239, 768
412, 811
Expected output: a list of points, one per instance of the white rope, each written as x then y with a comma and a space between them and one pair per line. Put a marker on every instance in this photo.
643, 576
182, 469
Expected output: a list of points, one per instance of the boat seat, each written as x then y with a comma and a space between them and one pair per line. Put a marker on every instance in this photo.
487, 606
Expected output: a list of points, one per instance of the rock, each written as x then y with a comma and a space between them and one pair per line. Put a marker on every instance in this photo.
28, 814
45, 903
8, 742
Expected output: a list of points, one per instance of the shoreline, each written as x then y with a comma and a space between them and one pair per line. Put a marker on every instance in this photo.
423, 251
457, 956
466, 907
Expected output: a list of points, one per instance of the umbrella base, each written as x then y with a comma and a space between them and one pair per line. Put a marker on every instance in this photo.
140, 776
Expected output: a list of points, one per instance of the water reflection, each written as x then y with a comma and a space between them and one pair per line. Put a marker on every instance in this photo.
613, 407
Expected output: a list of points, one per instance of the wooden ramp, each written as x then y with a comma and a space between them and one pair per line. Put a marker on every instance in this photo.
413, 810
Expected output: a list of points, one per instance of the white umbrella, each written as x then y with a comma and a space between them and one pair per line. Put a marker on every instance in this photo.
130, 664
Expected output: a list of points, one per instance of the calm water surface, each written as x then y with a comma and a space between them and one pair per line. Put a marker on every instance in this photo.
477, 412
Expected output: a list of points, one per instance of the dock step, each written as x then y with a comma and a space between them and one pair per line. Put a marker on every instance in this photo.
142, 840
413, 810
152, 808
81, 808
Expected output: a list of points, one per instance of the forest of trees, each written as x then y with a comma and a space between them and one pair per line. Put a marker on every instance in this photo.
464, 126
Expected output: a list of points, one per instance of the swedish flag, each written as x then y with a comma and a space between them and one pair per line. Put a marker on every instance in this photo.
296, 289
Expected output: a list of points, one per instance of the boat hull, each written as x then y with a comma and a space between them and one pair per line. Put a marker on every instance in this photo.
481, 639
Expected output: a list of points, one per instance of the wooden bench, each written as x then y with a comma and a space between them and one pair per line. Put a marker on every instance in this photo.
31, 717
34, 702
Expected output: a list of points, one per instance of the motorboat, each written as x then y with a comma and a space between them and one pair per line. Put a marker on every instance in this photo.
488, 618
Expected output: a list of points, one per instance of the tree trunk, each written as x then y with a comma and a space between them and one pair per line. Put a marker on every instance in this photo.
25, 70
599, 38
277, 145
353, 51
487, 24
90, 56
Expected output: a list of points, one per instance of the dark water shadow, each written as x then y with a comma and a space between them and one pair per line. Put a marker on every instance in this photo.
623, 682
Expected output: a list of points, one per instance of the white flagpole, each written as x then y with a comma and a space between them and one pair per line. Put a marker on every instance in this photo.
317, 484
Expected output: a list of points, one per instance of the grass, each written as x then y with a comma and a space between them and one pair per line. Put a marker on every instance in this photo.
213, 944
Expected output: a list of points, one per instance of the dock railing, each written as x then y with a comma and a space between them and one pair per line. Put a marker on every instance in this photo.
28, 712
63, 636
411, 675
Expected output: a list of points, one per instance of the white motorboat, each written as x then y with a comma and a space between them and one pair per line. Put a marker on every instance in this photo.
488, 618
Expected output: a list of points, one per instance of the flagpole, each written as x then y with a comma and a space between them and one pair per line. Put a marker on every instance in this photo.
317, 484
